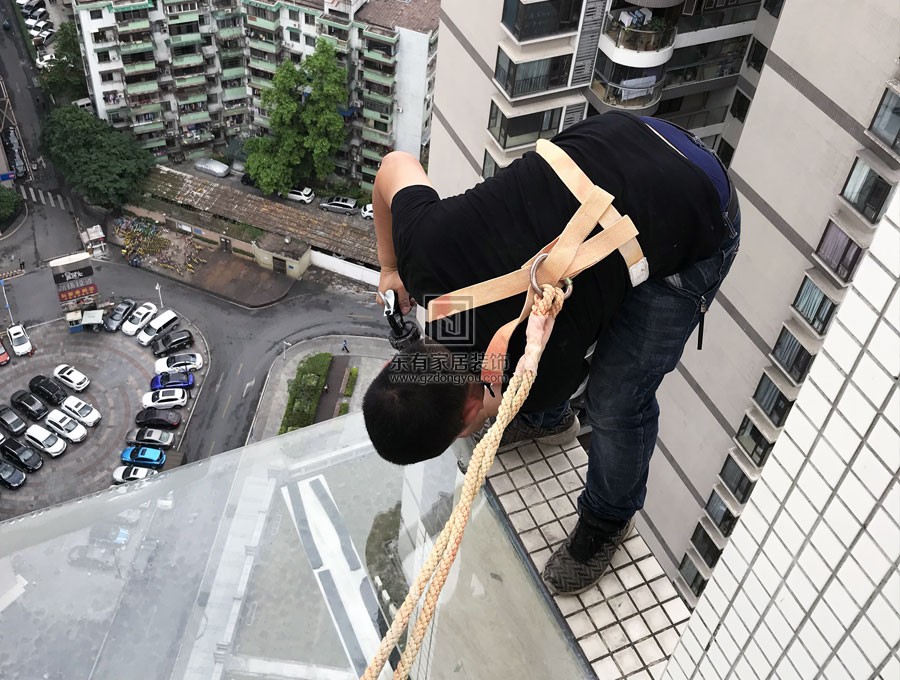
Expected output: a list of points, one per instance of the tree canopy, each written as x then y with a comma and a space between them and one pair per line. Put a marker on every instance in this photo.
100, 162
64, 76
306, 128
10, 202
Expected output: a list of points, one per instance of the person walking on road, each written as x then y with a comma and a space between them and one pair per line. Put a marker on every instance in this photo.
345, 348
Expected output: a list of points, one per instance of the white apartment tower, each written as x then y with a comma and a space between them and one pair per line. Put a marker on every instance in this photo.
186, 75
815, 122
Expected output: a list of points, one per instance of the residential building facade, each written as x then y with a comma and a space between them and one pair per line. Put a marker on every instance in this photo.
186, 76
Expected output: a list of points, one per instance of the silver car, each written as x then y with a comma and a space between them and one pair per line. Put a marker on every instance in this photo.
339, 204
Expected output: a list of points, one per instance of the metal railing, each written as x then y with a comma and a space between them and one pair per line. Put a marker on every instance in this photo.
643, 39
623, 97
699, 119
523, 86
719, 17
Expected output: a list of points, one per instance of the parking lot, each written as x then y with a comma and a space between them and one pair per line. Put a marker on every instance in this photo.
120, 371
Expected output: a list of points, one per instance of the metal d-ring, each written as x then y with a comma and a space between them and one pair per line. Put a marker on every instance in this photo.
538, 261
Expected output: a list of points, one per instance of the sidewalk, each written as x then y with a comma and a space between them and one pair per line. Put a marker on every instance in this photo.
367, 354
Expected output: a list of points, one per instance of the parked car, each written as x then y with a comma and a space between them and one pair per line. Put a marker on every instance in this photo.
28, 404
10, 476
169, 398
162, 323
164, 380
154, 417
247, 180
367, 212
139, 318
47, 389
212, 167
131, 473
304, 195
45, 441
114, 320
172, 341
65, 426
4, 355
93, 557
144, 456
81, 411
45, 38
18, 338
22, 456
148, 436
10, 421
339, 204
189, 362
71, 377
110, 534
44, 61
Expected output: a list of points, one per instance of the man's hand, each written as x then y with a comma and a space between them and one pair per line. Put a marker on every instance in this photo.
390, 280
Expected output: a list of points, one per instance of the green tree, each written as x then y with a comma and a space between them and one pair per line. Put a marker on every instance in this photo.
100, 162
306, 128
64, 76
10, 203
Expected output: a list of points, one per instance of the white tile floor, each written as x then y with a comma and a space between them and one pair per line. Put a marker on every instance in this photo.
629, 624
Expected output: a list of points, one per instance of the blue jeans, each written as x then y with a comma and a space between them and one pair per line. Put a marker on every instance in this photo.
644, 342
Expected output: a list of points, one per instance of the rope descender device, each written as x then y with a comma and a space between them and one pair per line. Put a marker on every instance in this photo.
403, 333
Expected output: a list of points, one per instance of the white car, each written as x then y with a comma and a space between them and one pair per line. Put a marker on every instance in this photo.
81, 411
131, 473
44, 61
170, 398
66, 426
367, 212
189, 362
139, 318
45, 441
18, 338
71, 377
304, 195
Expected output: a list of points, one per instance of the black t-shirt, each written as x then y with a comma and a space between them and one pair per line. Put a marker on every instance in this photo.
493, 228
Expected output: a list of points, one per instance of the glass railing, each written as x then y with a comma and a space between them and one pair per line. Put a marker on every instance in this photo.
719, 17
699, 72
699, 119
523, 86
644, 39
627, 97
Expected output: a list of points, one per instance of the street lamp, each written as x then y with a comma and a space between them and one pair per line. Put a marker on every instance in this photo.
159, 290
284, 346
6, 300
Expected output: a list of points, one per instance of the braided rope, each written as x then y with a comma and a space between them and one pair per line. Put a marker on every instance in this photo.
436, 569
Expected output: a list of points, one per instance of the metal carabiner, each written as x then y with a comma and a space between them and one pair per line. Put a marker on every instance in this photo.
538, 261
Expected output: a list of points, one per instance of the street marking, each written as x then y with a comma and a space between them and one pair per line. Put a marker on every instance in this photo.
210, 450
23, 192
59, 198
219, 383
227, 402
247, 387
50, 196
31, 191
239, 369
41, 194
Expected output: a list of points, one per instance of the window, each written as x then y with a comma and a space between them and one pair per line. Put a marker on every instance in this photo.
531, 20
293, 15
692, 576
771, 401
789, 353
753, 442
886, 124
736, 481
740, 105
489, 168
310, 20
838, 251
706, 61
669, 106
814, 306
773, 7
106, 77
103, 57
531, 76
310, 40
866, 191
705, 546
756, 56
527, 129
720, 514
294, 35
96, 14
726, 153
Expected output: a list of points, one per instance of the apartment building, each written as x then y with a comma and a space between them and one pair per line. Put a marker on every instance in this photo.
813, 187
187, 76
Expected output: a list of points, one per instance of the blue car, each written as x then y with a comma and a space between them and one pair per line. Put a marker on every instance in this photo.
164, 380
144, 456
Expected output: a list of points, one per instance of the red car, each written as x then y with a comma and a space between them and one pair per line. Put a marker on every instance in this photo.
4, 355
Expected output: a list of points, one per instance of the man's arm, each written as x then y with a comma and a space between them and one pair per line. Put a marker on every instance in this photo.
398, 170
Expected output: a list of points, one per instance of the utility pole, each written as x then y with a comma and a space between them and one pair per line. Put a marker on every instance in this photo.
284, 346
6, 300
159, 290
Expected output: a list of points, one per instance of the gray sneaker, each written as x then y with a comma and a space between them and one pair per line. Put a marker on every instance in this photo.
583, 558
519, 432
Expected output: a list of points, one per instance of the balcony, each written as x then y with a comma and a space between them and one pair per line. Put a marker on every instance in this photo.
380, 57
654, 37
338, 44
186, 60
190, 81
234, 111
142, 109
627, 97
137, 67
378, 76
371, 154
233, 72
230, 32
377, 136
185, 39
194, 118
144, 87
335, 22
377, 115
687, 75
190, 99
260, 83
183, 18
149, 126
263, 45
378, 97
698, 119
136, 47
133, 26
263, 65
232, 93
230, 53
380, 34
153, 143
259, 22
199, 137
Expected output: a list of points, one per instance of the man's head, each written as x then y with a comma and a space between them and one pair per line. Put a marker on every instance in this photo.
420, 403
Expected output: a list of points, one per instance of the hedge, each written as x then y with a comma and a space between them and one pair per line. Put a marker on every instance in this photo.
351, 382
304, 392
344, 408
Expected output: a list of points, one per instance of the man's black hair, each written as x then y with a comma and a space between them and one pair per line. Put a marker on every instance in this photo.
414, 407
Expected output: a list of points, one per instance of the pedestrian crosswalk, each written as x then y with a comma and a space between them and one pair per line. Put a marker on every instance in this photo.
46, 198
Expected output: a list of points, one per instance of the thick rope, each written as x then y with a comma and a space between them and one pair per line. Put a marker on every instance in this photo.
436, 569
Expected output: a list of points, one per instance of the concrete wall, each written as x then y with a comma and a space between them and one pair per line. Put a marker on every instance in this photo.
409, 112
344, 268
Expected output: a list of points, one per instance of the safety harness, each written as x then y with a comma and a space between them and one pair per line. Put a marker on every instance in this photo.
560, 261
